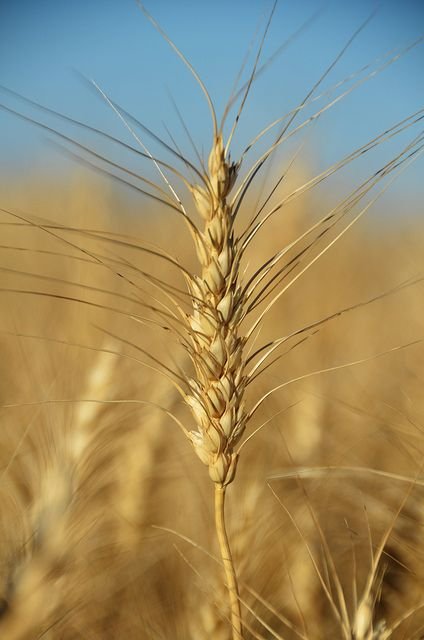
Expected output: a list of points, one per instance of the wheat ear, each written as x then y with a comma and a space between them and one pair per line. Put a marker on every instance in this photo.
37, 584
216, 349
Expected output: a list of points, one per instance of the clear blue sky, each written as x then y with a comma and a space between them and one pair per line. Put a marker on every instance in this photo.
44, 43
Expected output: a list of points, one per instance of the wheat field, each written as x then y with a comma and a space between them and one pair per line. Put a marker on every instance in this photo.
212, 327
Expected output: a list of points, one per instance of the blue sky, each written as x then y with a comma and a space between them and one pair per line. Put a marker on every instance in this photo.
45, 45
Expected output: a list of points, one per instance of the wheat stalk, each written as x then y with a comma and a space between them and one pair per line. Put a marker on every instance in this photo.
216, 398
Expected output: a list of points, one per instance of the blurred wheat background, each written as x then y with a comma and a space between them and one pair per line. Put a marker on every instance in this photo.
106, 517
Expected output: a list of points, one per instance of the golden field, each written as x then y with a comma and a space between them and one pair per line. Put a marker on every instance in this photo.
106, 515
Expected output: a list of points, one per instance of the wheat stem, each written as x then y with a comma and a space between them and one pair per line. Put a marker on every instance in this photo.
227, 561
